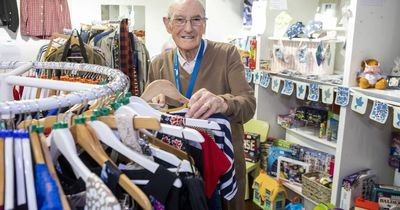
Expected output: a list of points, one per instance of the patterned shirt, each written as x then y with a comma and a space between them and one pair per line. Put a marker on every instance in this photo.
42, 18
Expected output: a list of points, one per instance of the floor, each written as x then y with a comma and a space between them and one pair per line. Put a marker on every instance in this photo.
249, 205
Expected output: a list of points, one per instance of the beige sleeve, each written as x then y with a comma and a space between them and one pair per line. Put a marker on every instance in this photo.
241, 101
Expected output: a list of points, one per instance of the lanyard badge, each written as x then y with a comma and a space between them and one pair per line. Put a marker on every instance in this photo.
194, 74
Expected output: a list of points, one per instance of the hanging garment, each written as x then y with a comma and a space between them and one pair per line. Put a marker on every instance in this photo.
159, 187
42, 18
47, 193
86, 53
98, 196
127, 135
125, 55
223, 138
9, 14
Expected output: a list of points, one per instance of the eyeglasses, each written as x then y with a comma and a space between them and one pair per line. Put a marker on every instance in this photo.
196, 21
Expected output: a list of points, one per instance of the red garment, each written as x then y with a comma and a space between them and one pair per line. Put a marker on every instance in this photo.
41, 18
215, 163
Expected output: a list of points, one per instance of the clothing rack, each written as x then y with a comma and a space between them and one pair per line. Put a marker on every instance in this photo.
82, 92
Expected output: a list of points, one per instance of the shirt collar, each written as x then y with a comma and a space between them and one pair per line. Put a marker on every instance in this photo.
183, 61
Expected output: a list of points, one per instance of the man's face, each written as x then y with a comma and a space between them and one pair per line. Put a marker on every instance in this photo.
186, 25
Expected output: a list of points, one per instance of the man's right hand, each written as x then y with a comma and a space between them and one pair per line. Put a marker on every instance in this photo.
159, 99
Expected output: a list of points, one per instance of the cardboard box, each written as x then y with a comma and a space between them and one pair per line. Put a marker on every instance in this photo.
251, 144
388, 197
355, 185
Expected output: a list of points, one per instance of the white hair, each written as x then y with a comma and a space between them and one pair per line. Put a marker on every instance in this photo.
171, 7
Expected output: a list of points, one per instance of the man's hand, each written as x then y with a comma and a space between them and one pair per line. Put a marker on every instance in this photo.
204, 103
160, 99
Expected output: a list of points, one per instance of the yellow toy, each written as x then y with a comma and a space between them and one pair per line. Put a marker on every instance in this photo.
269, 194
371, 76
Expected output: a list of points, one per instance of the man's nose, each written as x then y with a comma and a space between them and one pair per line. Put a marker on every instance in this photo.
188, 25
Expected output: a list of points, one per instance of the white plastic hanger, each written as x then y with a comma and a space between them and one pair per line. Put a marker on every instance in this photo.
19, 170
181, 165
9, 165
63, 140
184, 166
143, 108
30, 183
177, 131
107, 136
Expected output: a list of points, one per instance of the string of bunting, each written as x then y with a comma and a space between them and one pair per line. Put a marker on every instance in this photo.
379, 112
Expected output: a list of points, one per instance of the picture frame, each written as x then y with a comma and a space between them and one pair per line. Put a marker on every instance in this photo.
290, 170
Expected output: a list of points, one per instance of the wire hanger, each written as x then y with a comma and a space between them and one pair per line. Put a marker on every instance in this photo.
143, 108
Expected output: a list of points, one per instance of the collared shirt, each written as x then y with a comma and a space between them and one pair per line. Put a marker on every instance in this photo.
188, 66
41, 18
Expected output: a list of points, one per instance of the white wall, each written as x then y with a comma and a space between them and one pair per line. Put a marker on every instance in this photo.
219, 27
224, 19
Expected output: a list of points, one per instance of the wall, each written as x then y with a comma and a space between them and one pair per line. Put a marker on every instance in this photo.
224, 19
156, 35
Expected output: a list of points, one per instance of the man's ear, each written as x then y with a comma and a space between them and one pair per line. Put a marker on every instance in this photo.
166, 24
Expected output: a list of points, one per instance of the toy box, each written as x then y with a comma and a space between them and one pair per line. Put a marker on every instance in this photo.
394, 159
251, 144
388, 197
274, 153
291, 170
355, 185
332, 126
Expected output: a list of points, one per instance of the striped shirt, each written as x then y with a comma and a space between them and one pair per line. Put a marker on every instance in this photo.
223, 138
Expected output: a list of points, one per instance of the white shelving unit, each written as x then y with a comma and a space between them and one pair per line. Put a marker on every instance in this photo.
307, 137
372, 32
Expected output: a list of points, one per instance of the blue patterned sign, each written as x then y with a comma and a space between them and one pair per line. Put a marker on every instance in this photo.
265, 79
276, 83
342, 96
248, 75
327, 94
313, 92
288, 87
359, 103
256, 77
396, 117
379, 112
301, 90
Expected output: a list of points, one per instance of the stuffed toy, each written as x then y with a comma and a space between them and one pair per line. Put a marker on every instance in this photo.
371, 76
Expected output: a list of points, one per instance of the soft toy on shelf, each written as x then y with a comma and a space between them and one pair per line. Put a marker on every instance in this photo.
371, 76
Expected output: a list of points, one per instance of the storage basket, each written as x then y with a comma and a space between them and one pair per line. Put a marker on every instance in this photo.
314, 190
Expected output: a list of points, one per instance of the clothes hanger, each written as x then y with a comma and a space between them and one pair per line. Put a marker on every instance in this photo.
142, 123
62, 138
177, 131
183, 165
143, 108
2, 168
166, 147
83, 136
50, 165
165, 87
30, 183
21, 195
107, 136
9, 165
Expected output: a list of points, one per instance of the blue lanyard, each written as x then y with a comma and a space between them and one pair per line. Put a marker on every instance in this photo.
194, 73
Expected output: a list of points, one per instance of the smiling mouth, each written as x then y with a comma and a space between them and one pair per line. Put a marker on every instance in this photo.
187, 37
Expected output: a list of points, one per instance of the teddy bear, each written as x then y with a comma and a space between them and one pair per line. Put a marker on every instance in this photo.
371, 76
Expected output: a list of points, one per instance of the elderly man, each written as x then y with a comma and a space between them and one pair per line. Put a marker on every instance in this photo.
211, 75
